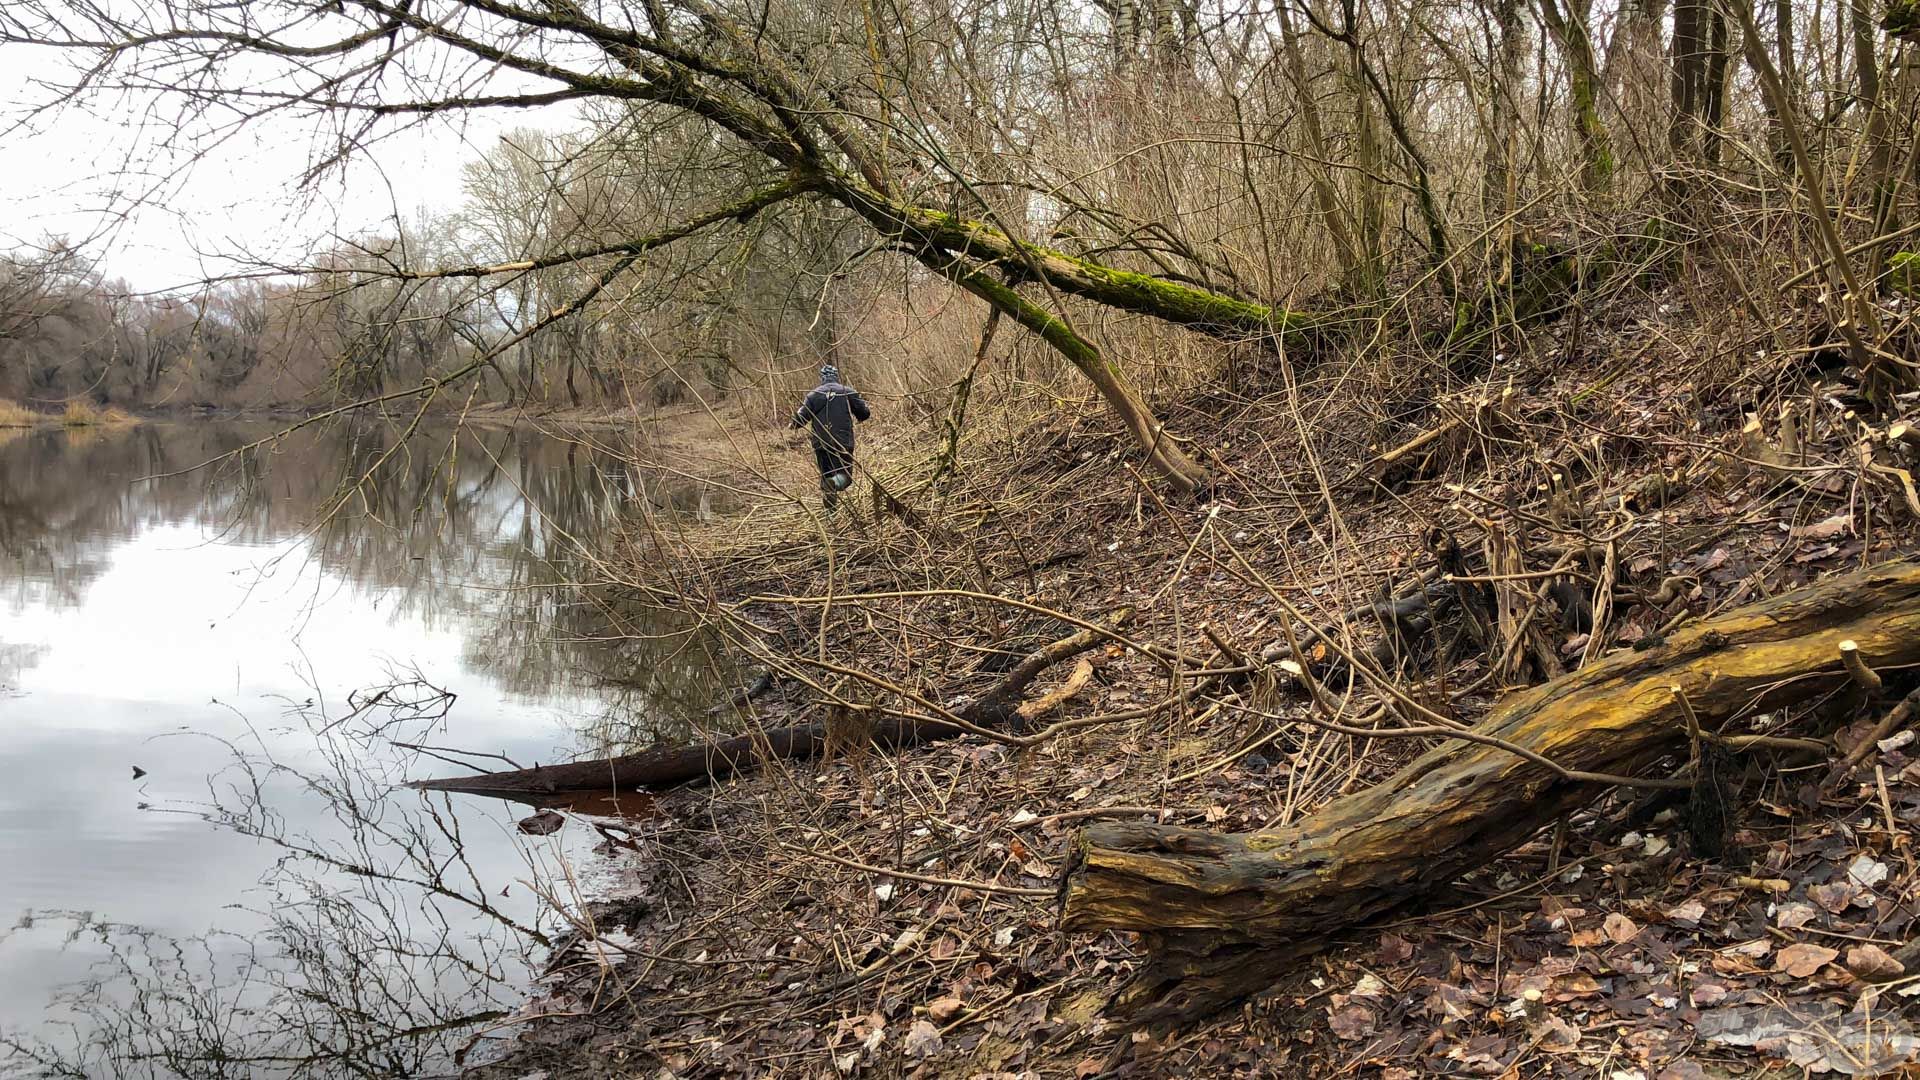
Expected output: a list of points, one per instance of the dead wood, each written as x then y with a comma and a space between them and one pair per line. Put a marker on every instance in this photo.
1895, 719
1439, 446
1058, 696
1223, 914
663, 768
760, 684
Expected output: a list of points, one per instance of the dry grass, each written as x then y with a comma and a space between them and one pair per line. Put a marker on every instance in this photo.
81, 413
15, 415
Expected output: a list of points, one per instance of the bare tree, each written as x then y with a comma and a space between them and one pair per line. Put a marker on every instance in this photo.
775, 83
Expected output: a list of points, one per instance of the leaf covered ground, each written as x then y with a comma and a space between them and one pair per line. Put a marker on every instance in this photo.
895, 914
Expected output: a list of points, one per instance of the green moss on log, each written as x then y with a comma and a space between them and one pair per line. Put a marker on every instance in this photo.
1903, 273
1209, 312
1902, 19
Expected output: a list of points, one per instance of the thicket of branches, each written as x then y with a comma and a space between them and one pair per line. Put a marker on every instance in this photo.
758, 186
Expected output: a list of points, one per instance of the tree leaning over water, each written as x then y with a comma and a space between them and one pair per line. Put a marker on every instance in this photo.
816, 102
1085, 169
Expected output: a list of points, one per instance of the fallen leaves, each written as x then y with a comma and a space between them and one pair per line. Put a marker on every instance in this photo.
1871, 963
1687, 914
1836, 897
1620, 929
923, 1040
1795, 915
1866, 871
1823, 530
1816, 1036
1557, 1036
1351, 1021
1801, 960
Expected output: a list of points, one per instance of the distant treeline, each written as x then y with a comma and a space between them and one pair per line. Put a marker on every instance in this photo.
374, 315
69, 332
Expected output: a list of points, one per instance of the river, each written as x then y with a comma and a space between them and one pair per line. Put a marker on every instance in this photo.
213, 680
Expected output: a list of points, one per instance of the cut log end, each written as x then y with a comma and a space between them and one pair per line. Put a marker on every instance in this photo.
1857, 667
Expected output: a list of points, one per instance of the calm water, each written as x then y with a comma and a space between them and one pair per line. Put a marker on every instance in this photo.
263, 900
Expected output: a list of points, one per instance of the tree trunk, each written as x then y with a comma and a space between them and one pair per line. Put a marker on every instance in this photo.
1688, 63
1164, 454
1222, 914
1634, 67
1323, 190
1570, 30
1783, 48
1217, 314
965, 250
656, 769
1497, 184
1714, 91
1879, 145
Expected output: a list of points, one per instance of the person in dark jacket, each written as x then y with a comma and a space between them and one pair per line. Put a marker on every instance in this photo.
828, 413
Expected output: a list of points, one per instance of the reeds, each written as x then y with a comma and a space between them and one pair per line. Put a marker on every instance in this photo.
83, 413
15, 415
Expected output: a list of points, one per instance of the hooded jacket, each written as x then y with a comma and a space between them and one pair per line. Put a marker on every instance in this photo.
829, 411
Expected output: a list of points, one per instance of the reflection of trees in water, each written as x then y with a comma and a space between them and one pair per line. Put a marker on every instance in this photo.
17, 657
53, 506
379, 948
485, 531
382, 951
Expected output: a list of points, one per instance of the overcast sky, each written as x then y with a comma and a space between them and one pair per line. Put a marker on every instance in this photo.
94, 172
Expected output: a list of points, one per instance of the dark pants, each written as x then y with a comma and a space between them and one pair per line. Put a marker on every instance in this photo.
832, 459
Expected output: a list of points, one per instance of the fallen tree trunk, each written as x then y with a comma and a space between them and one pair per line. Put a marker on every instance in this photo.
656, 769
1224, 914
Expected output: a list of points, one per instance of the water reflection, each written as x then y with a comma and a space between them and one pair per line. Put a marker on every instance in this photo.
260, 900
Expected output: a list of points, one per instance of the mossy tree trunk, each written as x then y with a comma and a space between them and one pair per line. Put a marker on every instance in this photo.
1163, 453
1570, 29
1222, 914
1214, 313
967, 252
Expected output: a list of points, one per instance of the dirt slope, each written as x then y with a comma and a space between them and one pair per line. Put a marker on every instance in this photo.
895, 915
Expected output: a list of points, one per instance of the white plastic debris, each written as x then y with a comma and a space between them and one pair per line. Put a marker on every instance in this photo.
1866, 871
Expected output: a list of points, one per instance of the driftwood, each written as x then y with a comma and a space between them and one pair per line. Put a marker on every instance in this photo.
1224, 914
999, 707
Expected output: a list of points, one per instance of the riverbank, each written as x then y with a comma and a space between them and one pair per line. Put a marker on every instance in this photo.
76, 414
894, 914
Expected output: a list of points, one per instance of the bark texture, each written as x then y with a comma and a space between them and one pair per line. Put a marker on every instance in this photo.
1224, 914
656, 769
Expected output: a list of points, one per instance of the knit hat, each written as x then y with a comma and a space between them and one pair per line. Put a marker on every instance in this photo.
829, 373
